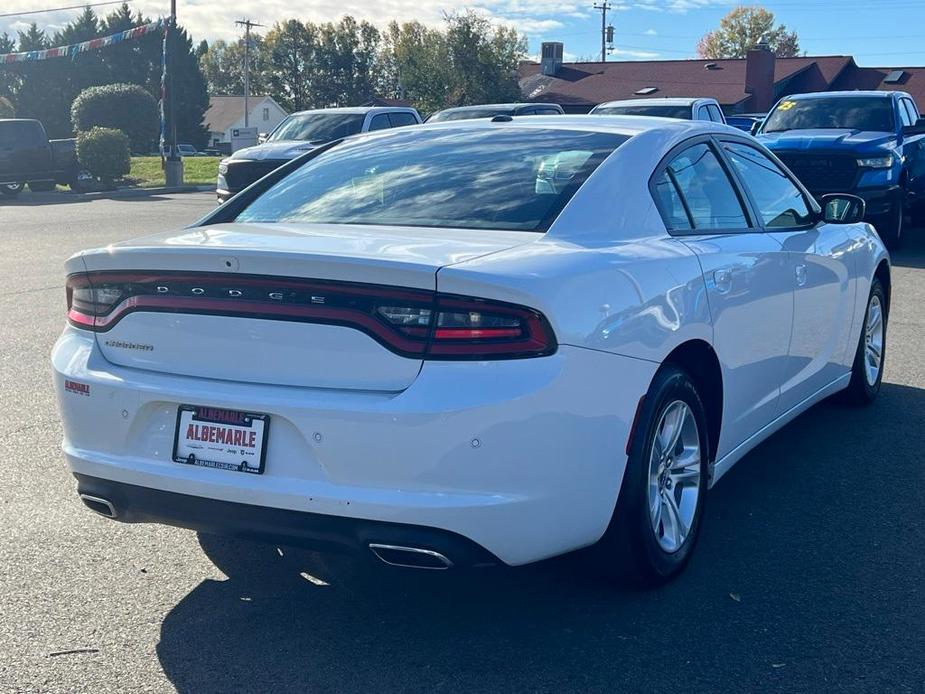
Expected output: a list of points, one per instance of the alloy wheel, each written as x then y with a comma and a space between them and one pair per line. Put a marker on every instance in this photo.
674, 476
873, 340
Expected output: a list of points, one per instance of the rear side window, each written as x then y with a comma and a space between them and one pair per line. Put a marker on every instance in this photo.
20, 133
704, 191
400, 119
780, 203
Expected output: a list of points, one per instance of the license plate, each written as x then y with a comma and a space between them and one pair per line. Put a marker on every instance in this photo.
224, 439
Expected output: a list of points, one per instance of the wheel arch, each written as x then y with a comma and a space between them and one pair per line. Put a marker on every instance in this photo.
699, 360
882, 273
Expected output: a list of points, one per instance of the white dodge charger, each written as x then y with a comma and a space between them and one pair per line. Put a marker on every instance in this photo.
471, 343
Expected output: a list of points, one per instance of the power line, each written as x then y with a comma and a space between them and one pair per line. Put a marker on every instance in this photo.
61, 9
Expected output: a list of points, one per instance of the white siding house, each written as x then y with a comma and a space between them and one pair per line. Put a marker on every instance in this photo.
227, 112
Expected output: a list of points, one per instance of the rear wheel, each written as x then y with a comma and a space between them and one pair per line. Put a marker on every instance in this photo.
658, 515
11, 189
867, 371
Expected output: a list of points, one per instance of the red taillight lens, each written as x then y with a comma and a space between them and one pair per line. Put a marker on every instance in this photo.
410, 322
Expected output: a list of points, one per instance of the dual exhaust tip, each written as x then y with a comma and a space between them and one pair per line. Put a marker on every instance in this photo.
393, 555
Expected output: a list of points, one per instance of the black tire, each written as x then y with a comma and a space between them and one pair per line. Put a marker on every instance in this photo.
41, 186
11, 190
860, 390
891, 228
630, 550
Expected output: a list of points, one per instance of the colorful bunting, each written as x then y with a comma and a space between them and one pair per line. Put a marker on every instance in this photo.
74, 49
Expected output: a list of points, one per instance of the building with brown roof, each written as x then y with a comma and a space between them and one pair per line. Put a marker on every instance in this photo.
742, 85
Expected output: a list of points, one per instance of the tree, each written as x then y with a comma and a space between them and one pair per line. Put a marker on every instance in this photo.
190, 92
290, 54
222, 65
742, 29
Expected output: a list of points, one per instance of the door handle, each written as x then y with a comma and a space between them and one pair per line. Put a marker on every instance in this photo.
723, 280
801, 274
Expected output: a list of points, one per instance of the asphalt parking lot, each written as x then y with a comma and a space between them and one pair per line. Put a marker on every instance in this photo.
810, 574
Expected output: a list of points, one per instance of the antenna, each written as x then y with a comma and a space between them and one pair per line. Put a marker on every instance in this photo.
247, 24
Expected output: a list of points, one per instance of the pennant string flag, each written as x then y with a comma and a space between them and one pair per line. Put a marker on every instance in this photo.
76, 49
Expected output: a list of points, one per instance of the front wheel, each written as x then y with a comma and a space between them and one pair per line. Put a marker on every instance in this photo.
11, 189
658, 515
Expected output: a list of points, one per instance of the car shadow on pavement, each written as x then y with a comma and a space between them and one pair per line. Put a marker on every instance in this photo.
808, 570
912, 252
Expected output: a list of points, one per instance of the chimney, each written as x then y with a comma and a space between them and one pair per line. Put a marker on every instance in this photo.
551, 58
759, 77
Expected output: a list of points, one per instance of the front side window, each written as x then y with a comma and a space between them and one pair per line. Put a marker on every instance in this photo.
832, 113
515, 179
380, 122
319, 127
715, 113
704, 193
780, 203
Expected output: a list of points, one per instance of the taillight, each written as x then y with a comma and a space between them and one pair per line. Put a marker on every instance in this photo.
409, 322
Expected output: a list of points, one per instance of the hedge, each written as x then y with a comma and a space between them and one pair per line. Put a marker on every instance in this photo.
104, 152
125, 107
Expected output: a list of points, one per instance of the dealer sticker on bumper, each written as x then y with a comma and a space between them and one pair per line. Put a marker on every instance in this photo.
224, 439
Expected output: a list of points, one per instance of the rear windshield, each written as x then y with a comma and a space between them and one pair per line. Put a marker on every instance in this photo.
319, 127
507, 179
661, 111
835, 113
469, 114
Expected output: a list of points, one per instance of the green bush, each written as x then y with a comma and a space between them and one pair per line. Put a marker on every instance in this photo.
6, 108
126, 107
104, 152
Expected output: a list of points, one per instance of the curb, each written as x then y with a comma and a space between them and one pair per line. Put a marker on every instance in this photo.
141, 192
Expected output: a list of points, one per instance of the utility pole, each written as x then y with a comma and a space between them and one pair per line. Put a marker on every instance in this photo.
173, 167
247, 24
603, 7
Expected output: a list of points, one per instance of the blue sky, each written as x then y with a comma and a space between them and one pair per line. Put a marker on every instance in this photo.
876, 32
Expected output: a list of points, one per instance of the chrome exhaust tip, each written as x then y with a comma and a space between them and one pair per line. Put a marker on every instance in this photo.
410, 557
103, 507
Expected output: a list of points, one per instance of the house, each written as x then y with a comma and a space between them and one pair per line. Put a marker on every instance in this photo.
741, 85
227, 112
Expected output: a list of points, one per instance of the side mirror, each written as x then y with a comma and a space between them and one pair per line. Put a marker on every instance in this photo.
917, 129
756, 126
839, 208
262, 137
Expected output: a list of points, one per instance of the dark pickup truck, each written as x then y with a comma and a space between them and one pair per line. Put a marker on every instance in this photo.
28, 156
871, 144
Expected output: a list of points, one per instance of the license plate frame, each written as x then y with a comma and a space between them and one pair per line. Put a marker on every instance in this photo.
200, 450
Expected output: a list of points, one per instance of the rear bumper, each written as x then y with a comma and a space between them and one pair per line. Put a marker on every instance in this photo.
523, 457
316, 531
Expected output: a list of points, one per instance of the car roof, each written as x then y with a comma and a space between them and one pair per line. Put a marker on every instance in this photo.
486, 107
356, 110
858, 92
666, 101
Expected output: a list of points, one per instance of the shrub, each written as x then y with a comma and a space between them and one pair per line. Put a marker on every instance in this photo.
6, 108
126, 107
104, 152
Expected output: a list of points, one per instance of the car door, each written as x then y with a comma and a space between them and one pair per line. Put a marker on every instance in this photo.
914, 152
747, 283
818, 256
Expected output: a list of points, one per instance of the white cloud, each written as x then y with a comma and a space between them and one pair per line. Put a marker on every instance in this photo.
651, 32
639, 55
209, 19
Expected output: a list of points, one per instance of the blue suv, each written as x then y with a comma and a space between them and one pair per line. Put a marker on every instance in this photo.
868, 143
